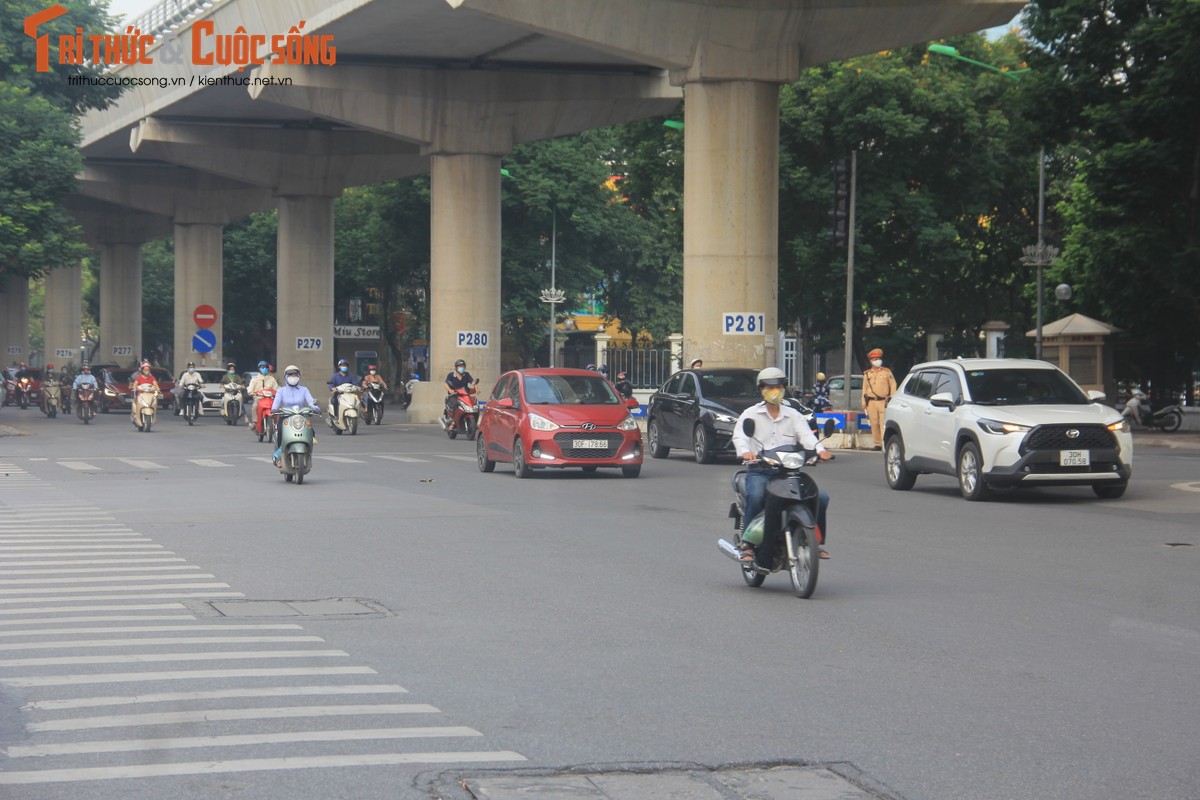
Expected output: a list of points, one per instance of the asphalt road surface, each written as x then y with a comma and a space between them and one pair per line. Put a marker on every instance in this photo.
177, 621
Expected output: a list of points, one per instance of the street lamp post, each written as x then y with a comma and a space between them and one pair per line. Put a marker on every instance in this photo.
1040, 255
553, 295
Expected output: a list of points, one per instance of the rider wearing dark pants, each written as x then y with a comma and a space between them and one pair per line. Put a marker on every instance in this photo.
775, 424
459, 378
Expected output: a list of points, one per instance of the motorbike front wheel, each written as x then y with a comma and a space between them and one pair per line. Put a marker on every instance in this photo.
805, 558
378, 414
452, 429
470, 423
145, 427
353, 424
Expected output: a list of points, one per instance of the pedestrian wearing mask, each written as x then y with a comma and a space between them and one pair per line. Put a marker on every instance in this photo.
878, 387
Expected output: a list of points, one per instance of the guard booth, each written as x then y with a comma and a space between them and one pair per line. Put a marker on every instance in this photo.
1077, 345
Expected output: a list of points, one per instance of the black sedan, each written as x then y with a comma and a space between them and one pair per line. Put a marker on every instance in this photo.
697, 408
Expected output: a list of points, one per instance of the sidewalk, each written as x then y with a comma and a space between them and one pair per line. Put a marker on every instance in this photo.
1180, 440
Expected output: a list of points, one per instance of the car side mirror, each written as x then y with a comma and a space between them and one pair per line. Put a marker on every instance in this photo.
942, 400
503, 402
1096, 397
748, 427
632, 402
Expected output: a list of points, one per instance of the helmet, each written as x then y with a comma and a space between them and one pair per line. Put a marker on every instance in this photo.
620, 376
460, 363
291, 369
144, 365
87, 369
343, 362
371, 368
49, 366
592, 367
603, 369
820, 376
191, 364
772, 376
262, 364
696, 362
231, 365
876, 353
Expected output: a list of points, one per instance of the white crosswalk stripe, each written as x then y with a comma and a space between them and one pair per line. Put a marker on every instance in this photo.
87, 604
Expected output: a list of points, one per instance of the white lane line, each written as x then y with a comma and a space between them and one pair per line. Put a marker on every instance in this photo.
79, 465
102, 578
25, 590
208, 462
93, 597
215, 694
405, 459
60, 563
236, 740
264, 459
100, 618
153, 641
181, 675
76, 570
141, 463
151, 629
252, 765
157, 658
226, 715
340, 459
11, 550
34, 537
472, 459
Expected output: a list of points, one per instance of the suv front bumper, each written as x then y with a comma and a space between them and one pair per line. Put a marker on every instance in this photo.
1042, 467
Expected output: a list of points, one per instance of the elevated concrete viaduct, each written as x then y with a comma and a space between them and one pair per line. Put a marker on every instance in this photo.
455, 84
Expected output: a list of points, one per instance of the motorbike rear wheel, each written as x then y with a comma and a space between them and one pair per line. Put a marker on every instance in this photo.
1172, 422
750, 575
806, 559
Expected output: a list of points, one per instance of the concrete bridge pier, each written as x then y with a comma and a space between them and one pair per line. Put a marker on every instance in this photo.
304, 281
64, 315
14, 319
120, 303
198, 281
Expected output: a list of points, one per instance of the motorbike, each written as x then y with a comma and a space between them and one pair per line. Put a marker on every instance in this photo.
189, 401
264, 426
231, 403
785, 535
85, 403
1137, 409
51, 399
344, 416
373, 403
24, 390
145, 406
466, 413
296, 442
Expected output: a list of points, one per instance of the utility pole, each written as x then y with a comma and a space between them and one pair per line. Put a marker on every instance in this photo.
849, 239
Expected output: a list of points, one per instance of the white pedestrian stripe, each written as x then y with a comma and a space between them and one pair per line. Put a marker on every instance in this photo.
405, 459
453, 457
81, 590
78, 465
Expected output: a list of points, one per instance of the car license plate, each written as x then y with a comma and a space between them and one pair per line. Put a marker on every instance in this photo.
589, 444
1074, 458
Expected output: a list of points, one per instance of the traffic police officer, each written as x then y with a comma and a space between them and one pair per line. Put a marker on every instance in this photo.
878, 387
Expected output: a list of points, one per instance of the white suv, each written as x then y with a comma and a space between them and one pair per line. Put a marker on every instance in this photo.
1003, 423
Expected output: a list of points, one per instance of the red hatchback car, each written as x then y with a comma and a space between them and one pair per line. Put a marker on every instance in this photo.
537, 418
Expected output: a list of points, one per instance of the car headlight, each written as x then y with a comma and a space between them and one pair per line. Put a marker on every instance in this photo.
728, 420
996, 426
627, 424
1121, 426
540, 423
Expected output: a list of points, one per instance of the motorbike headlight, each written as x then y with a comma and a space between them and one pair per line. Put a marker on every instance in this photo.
791, 460
627, 424
540, 423
999, 427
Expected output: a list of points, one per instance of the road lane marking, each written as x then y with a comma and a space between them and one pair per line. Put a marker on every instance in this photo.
152, 629
93, 597
57, 563
158, 658
26, 681
141, 463
154, 641
252, 765
405, 459
234, 740
340, 459
102, 617
162, 568
1191, 486
226, 715
472, 459
209, 462
9, 550
214, 694
79, 465
28, 590
82, 554
102, 578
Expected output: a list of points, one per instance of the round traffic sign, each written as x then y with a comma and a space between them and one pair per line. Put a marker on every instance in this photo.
203, 341
205, 317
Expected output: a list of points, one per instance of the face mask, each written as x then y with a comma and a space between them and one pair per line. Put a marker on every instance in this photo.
262, 370
372, 372
343, 369
876, 362
293, 380
461, 370
773, 396
230, 372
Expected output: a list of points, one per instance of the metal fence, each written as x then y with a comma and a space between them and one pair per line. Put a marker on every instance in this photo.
647, 368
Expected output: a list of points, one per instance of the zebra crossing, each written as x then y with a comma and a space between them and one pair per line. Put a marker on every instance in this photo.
118, 679
111, 463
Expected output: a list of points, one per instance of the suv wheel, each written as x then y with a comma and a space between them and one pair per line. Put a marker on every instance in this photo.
1109, 491
899, 476
970, 473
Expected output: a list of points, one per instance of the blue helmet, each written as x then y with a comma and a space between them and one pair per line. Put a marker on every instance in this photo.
262, 364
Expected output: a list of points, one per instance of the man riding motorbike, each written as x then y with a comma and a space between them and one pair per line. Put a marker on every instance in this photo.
84, 377
189, 375
232, 378
342, 375
143, 377
623, 385
293, 394
262, 381
775, 424
50, 384
456, 379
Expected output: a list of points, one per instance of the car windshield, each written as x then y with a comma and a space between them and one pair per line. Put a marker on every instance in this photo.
553, 390
120, 375
1023, 387
733, 385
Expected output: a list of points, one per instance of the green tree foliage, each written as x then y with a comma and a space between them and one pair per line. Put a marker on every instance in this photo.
39, 137
1116, 84
945, 186
248, 294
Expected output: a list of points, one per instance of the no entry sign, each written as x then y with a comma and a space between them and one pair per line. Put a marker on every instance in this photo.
205, 316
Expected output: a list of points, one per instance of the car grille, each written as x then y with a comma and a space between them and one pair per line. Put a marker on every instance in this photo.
1054, 437
564, 440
